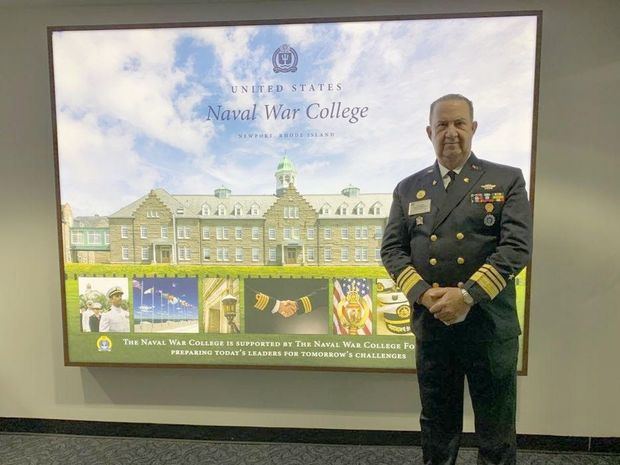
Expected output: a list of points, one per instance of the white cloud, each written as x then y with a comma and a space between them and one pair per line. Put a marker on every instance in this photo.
100, 171
129, 76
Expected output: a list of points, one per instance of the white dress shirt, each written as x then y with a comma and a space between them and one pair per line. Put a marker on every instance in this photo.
114, 321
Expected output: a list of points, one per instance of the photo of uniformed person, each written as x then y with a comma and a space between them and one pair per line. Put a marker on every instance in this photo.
116, 319
458, 233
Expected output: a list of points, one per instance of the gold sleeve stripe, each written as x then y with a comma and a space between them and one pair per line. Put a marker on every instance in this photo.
492, 278
407, 279
405, 274
485, 283
408, 285
261, 301
305, 301
496, 273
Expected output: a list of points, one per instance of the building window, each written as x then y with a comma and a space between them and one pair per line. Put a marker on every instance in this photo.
376, 210
343, 210
310, 233
327, 233
361, 232
327, 254
106, 238
287, 234
324, 210
255, 254
143, 232
145, 253
222, 254
77, 237
206, 254
206, 232
124, 232
310, 254
94, 237
272, 234
344, 254
296, 233
164, 232
378, 232
344, 233
184, 254
291, 212
254, 210
221, 210
125, 252
361, 254
239, 254
221, 233
272, 254
205, 210
152, 214
238, 233
358, 210
237, 210
378, 254
183, 232
255, 233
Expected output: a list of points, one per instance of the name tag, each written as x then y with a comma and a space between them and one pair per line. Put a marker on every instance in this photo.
419, 207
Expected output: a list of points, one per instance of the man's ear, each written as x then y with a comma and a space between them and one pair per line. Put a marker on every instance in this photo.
429, 132
474, 126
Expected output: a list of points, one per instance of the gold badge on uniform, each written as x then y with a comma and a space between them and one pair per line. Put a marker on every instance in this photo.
434, 182
489, 207
419, 220
466, 180
420, 194
488, 187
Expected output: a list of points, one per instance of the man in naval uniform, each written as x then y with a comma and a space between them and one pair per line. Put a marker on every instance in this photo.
117, 319
458, 233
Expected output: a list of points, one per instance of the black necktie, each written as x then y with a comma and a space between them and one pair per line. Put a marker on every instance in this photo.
452, 175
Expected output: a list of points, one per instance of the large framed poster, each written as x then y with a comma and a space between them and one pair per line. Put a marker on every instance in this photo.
223, 188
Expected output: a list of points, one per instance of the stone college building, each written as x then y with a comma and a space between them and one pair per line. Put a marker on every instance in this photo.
287, 228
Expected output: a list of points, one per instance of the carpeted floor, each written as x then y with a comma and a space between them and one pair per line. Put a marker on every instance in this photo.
19, 449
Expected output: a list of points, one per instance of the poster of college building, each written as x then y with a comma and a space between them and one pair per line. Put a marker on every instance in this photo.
224, 190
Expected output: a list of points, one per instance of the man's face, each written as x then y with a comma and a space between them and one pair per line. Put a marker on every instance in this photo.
451, 130
116, 299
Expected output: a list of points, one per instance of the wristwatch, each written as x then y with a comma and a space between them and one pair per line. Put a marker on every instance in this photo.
467, 298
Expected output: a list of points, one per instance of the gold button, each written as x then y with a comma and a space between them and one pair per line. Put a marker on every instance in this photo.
435, 284
460, 236
433, 237
460, 260
433, 261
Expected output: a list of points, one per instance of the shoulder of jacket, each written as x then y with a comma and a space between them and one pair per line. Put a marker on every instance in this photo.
498, 167
415, 177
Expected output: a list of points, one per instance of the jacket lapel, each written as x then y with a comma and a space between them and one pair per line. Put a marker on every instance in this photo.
472, 171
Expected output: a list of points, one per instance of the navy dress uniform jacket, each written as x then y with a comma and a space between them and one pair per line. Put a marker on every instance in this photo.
461, 239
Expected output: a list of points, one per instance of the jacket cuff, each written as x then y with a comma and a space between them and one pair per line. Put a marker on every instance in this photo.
485, 284
411, 283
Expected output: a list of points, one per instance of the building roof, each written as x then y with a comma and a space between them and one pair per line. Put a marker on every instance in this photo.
285, 165
192, 205
95, 221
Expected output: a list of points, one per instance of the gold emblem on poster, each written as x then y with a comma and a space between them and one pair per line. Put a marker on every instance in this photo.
353, 312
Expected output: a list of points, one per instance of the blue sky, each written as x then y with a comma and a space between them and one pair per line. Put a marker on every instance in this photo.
133, 104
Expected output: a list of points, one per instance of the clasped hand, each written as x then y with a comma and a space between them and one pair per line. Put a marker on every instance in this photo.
287, 308
446, 304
